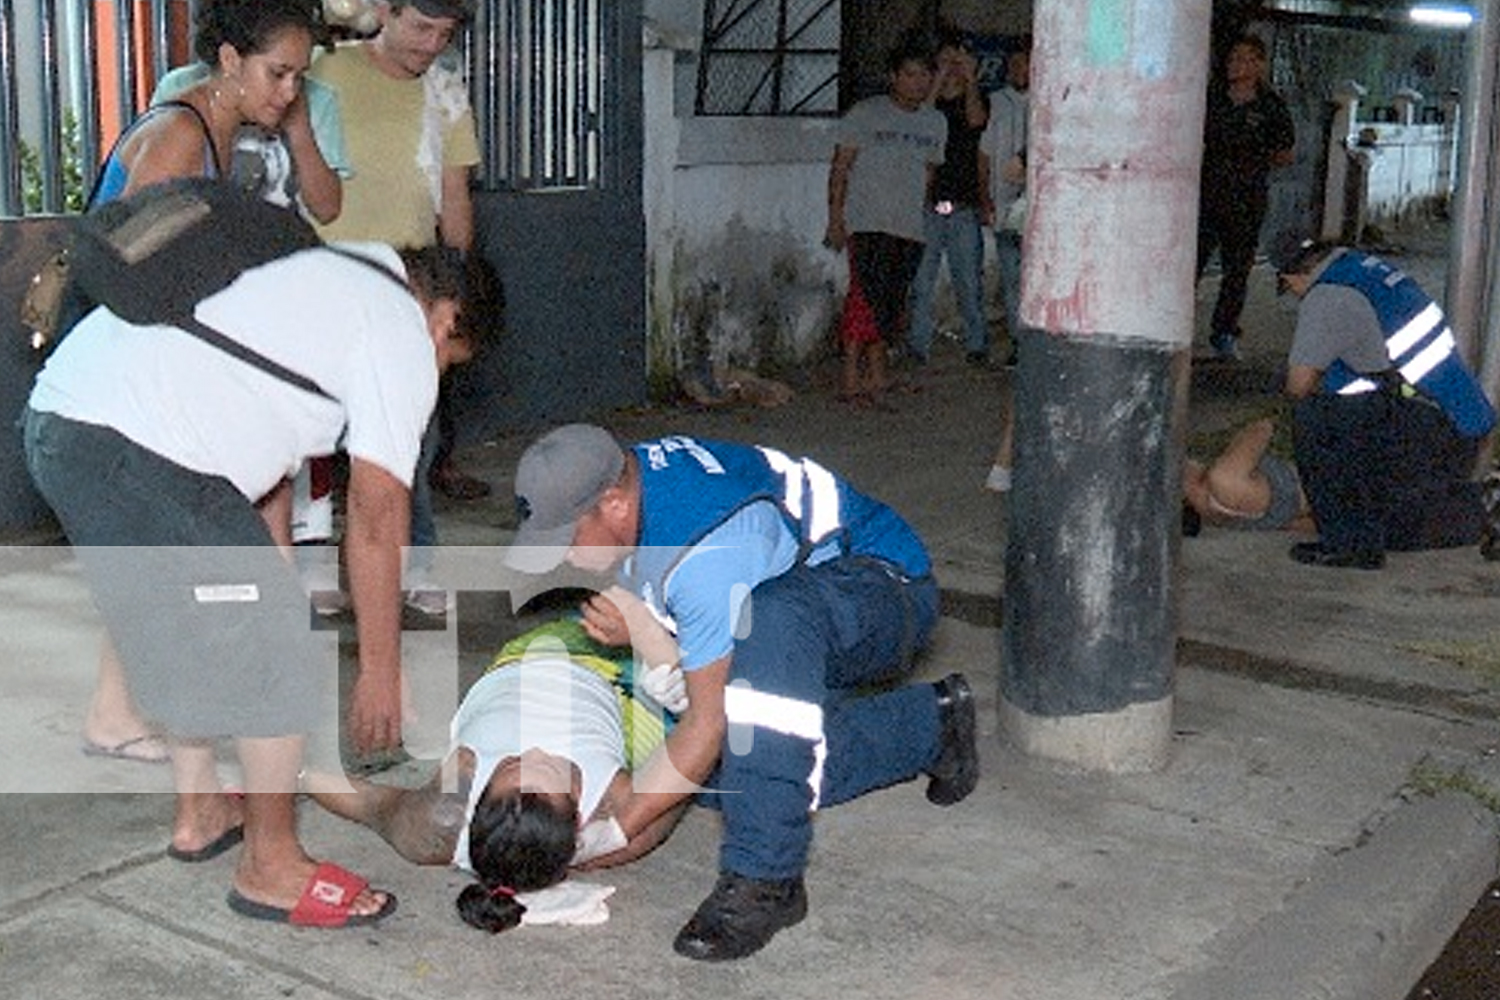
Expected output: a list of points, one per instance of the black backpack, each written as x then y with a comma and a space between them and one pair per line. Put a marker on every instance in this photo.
152, 256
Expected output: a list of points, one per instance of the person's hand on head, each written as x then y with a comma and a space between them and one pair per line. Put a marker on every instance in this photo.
617, 617
604, 621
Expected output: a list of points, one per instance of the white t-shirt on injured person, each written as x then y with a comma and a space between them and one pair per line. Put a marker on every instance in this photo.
548, 703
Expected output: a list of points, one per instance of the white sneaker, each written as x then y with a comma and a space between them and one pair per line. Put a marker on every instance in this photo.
998, 481
423, 597
329, 603
318, 567
432, 603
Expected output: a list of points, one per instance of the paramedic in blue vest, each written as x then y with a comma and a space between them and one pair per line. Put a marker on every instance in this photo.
784, 595
1387, 419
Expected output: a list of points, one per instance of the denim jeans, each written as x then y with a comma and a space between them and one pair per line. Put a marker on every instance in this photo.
960, 236
1008, 264
424, 534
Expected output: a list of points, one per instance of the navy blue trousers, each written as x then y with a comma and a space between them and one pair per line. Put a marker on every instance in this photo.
1386, 472
813, 717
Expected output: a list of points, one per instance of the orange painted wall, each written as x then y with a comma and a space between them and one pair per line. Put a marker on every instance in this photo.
179, 51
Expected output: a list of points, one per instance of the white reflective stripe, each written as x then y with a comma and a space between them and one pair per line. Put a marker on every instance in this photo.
1412, 333
802, 478
791, 472
825, 501
1429, 358
745, 706
1358, 387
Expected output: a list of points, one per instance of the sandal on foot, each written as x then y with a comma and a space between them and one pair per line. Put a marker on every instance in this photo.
148, 748
325, 902
223, 842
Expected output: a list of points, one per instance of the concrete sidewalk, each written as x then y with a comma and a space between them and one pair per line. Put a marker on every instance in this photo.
1288, 850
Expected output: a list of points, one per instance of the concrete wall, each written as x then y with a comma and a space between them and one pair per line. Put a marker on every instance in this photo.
735, 212
736, 207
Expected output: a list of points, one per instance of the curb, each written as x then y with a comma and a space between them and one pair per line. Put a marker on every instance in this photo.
1370, 920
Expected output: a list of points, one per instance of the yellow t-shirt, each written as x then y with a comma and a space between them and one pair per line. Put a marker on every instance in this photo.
389, 197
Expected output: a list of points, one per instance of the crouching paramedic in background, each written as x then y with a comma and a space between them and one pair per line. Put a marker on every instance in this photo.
161, 453
785, 593
1387, 420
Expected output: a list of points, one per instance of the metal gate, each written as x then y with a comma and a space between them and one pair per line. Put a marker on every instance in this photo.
557, 93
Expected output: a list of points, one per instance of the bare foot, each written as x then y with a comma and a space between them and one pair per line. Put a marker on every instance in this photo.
203, 819
124, 737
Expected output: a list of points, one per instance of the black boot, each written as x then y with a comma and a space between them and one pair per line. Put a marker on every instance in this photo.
956, 771
740, 916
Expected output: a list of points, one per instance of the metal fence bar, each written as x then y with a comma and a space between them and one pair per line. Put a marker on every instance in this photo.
86, 39
161, 29
537, 71
50, 154
10, 114
124, 61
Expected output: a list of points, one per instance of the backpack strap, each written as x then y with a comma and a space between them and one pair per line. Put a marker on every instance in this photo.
374, 265
249, 355
211, 152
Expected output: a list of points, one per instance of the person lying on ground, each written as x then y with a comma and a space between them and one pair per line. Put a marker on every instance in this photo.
1245, 486
541, 745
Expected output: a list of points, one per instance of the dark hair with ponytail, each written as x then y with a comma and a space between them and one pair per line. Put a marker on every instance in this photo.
517, 843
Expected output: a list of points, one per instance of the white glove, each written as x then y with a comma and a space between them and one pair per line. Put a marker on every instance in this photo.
598, 838
665, 686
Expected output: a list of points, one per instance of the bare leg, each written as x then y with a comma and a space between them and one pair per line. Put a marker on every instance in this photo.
422, 824
875, 376
849, 376
998, 479
273, 867
204, 812
112, 719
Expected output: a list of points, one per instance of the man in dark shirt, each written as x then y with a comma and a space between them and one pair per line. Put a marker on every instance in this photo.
1247, 132
957, 207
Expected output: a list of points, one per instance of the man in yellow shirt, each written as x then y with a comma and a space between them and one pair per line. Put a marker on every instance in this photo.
412, 144
409, 129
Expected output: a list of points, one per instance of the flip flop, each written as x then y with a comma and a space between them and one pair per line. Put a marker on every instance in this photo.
223, 842
325, 902
131, 750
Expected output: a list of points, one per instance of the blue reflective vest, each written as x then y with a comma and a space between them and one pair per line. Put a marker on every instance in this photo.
1418, 340
689, 487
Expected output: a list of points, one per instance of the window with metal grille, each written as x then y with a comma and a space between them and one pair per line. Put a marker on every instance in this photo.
769, 57
539, 90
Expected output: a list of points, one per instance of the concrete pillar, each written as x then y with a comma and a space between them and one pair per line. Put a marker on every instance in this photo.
1472, 238
1406, 102
1448, 157
1089, 637
1341, 129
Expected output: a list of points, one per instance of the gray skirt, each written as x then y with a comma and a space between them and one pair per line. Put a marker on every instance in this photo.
209, 619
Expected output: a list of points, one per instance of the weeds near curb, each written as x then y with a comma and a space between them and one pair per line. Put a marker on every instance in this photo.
1428, 777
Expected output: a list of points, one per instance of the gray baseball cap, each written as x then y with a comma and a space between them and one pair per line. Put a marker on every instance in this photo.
558, 480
